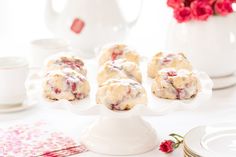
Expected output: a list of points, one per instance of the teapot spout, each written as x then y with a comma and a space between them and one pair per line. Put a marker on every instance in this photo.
51, 16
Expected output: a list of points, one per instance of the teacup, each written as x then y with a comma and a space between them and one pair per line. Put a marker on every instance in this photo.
13, 74
42, 48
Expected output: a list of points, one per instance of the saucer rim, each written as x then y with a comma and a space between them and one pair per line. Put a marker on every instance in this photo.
18, 107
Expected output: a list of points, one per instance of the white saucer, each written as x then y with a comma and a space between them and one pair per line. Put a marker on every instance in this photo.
18, 107
224, 81
216, 140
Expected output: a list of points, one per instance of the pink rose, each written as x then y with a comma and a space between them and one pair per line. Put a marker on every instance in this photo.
167, 146
223, 7
188, 2
209, 1
183, 14
201, 10
175, 3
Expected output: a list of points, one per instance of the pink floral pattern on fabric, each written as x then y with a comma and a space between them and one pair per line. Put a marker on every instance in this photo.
27, 140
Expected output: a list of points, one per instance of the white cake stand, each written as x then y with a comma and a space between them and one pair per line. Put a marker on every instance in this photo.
120, 133
125, 132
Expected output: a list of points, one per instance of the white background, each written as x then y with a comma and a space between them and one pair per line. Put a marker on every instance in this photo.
23, 20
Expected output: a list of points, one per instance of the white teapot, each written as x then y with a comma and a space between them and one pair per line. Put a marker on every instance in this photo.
88, 24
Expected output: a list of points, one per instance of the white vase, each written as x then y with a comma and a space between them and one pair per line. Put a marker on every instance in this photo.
210, 45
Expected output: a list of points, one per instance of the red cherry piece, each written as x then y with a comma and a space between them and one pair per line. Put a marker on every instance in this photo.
67, 82
68, 62
78, 64
171, 73
115, 54
57, 91
180, 93
129, 91
73, 86
77, 25
166, 60
79, 96
115, 107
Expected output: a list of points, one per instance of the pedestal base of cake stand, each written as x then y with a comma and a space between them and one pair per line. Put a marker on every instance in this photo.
120, 136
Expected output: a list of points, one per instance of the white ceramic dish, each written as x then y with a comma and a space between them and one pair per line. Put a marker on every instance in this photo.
220, 139
27, 104
13, 74
29, 101
42, 48
224, 82
212, 141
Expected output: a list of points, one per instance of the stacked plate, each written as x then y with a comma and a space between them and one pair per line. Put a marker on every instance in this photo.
189, 153
211, 141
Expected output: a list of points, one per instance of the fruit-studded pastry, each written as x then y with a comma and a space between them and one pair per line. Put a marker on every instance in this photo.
65, 84
121, 94
119, 69
172, 60
117, 51
66, 61
175, 84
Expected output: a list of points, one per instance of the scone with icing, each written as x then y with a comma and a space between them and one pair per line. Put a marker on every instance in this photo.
175, 84
117, 51
161, 60
65, 84
121, 94
63, 61
119, 69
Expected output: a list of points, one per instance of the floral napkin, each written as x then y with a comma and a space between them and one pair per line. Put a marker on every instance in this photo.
37, 139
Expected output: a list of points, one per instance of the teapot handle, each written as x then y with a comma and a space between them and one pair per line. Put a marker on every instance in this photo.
133, 22
51, 16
